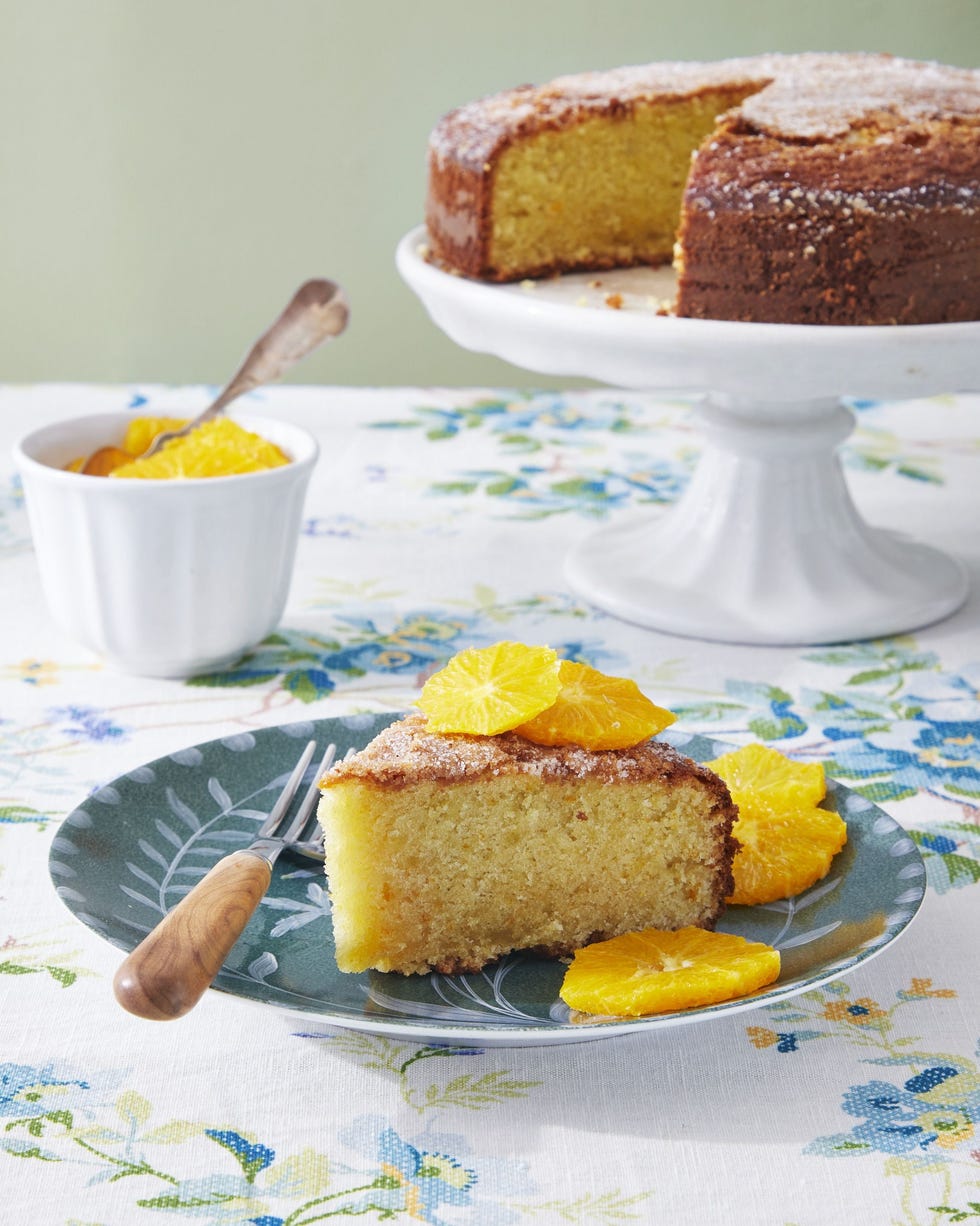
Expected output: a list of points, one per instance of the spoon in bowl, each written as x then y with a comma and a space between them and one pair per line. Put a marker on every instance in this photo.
318, 310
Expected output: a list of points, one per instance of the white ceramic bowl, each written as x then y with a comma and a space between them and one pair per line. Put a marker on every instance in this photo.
163, 578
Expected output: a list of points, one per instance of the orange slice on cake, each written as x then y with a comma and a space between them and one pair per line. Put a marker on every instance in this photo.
597, 712
487, 690
649, 972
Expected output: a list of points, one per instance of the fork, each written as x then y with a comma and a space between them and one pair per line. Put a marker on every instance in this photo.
168, 972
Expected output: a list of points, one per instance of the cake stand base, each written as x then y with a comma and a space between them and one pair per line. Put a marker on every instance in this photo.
766, 544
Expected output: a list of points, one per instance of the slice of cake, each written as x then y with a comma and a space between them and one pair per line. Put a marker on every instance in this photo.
445, 852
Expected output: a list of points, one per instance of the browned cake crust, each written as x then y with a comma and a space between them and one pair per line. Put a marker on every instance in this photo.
860, 194
840, 189
407, 753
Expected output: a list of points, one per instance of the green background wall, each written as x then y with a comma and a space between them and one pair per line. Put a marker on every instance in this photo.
169, 172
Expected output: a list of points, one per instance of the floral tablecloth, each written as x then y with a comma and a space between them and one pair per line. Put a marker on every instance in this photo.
437, 519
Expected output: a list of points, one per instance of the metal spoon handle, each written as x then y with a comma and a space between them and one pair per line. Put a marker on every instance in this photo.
318, 310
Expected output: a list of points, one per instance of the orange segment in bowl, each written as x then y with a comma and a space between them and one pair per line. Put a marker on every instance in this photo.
486, 690
141, 432
219, 448
596, 712
653, 971
103, 462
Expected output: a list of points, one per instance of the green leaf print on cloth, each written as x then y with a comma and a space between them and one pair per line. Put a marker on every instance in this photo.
225, 1174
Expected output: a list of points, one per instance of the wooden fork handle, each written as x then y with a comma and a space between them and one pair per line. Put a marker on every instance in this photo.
170, 970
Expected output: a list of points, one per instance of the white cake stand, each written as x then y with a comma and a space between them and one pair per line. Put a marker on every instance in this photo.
765, 545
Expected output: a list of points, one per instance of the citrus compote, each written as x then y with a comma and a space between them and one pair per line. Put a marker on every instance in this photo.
218, 448
141, 432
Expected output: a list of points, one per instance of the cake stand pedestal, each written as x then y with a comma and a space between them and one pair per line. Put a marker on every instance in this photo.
766, 544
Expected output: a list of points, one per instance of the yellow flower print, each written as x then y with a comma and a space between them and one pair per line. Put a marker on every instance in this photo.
427, 628
34, 672
922, 988
762, 1036
859, 1012
951, 1127
388, 660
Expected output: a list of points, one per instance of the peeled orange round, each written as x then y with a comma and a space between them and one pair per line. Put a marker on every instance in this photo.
783, 854
487, 690
787, 842
770, 777
596, 712
653, 971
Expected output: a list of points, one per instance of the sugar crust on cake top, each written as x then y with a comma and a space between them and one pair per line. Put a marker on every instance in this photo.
407, 753
806, 96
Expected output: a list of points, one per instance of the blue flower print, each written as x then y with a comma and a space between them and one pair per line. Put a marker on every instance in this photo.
891, 1117
520, 423
942, 755
85, 723
43, 1103
413, 644
27, 1092
925, 739
428, 1179
309, 666
940, 844
252, 1157
533, 491
932, 1112
419, 1175
951, 854
949, 698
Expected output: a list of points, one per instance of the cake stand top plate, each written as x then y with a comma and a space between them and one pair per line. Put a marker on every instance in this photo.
564, 326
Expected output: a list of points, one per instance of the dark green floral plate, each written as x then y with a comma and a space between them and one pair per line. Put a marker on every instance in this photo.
122, 859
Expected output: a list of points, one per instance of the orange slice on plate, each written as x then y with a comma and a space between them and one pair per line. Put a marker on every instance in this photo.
787, 843
486, 690
770, 778
596, 712
648, 972
783, 854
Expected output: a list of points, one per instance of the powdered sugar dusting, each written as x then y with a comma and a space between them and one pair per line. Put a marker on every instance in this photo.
817, 96
805, 97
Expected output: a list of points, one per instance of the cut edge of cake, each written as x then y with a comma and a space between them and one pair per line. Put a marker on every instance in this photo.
447, 852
